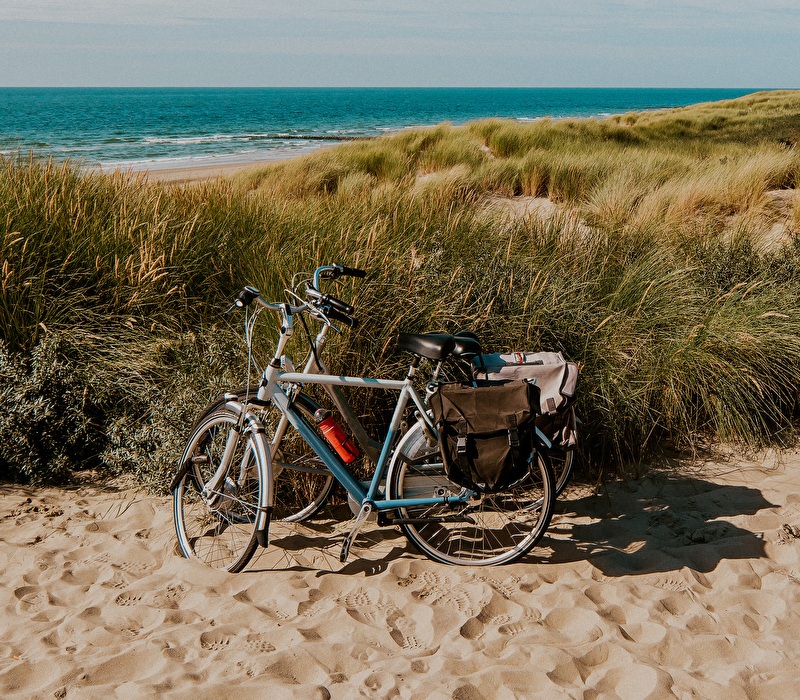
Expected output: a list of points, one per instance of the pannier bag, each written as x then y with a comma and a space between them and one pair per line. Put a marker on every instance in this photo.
486, 432
556, 379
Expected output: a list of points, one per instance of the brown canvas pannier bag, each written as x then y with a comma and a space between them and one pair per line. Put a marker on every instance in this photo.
486, 432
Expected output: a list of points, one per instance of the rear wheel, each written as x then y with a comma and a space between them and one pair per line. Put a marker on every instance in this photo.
490, 529
563, 461
303, 482
219, 527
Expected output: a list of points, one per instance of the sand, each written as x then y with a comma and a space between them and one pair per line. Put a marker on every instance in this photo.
683, 583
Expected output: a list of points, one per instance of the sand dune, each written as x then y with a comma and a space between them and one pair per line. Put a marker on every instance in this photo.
685, 583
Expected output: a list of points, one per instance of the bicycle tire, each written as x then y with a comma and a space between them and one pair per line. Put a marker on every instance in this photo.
563, 462
496, 529
302, 481
222, 534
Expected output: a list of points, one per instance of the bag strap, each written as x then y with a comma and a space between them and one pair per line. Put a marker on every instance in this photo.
513, 433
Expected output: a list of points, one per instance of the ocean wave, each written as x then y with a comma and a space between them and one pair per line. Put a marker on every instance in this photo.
244, 138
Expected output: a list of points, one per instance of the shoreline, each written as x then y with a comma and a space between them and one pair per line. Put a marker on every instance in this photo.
202, 172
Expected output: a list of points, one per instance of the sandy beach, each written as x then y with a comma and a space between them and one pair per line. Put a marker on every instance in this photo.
683, 583
197, 173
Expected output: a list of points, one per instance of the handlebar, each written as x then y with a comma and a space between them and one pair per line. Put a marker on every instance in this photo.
327, 299
334, 271
343, 318
324, 306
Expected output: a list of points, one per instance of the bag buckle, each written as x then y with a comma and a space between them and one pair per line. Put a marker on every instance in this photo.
461, 440
513, 434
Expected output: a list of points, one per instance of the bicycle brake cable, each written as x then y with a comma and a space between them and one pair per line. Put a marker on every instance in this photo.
249, 325
310, 342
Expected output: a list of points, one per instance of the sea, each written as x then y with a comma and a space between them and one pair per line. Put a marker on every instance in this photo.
151, 128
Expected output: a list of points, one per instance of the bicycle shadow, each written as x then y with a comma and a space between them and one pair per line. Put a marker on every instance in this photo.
316, 545
661, 523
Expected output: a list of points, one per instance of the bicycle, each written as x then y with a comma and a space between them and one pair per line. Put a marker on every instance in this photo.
300, 471
225, 489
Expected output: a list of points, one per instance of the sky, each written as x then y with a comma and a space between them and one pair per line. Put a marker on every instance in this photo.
415, 43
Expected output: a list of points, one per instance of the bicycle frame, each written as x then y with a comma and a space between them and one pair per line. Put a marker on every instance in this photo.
407, 394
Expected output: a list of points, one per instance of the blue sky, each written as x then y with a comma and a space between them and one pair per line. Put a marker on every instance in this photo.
535, 43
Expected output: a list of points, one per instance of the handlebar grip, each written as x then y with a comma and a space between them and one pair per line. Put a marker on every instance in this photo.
338, 304
329, 301
246, 296
351, 271
343, 318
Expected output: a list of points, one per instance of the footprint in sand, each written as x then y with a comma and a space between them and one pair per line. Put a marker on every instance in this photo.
32, 599
672, 584
502, 611
472, 629
511, 629
365, 605
402, 630
317, 603
171, 596
454, 597
127, 599
259, 643
101, 558
506, 588
788, 533
118, 580
216, 640
133, 567
428, 579
362, 598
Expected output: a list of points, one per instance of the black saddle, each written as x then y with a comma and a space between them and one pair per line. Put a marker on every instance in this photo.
437, 346
433, 346
467, 345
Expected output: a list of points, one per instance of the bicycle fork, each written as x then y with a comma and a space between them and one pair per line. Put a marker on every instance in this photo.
212, 491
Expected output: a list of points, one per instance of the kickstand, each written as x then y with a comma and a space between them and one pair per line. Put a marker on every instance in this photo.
361, 518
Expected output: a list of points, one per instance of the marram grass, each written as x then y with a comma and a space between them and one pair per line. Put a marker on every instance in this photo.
660, 273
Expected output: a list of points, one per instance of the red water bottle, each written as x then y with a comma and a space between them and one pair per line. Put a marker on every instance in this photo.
336, 436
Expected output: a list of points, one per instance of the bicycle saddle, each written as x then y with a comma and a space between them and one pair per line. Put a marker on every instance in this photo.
433, 346
467, 345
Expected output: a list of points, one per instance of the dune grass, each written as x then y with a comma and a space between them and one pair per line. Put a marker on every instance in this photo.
656, 274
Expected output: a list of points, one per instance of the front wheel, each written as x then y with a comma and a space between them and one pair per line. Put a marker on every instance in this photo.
490, 529
219, 528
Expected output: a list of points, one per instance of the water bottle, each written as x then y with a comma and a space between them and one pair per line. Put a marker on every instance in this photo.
336, 437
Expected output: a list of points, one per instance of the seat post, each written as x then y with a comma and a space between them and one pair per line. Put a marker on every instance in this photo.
412, 370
